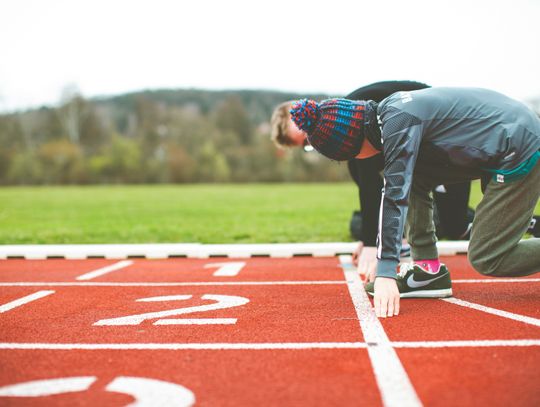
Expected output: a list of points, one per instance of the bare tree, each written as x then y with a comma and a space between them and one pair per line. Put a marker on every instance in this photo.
70, 112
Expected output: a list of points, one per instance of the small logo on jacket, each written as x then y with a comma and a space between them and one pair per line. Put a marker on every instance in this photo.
513, 153
406, 97
500, 178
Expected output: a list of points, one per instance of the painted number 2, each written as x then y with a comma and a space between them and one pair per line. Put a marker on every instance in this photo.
221, 302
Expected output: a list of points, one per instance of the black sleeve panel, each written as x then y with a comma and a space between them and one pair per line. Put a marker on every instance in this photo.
402, 135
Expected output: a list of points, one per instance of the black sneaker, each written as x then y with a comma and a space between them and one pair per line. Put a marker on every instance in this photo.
415, 282
405, 252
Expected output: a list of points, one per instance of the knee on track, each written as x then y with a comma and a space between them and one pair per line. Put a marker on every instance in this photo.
483, 265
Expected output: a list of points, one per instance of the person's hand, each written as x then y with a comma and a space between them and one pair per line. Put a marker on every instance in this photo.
365, 260
357, 253
386, 297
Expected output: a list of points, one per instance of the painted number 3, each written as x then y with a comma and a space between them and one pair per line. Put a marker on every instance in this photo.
147, 392
220, 302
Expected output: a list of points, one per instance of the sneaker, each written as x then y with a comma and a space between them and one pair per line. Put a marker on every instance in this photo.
405, 253
414, 282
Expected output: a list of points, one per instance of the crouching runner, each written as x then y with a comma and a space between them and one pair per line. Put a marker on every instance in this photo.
430, 137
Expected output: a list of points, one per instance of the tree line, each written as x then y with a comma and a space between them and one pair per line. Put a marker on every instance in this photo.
165, 136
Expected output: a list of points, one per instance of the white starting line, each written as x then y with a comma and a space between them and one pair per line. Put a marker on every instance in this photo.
232, 283
271, 345
172, 284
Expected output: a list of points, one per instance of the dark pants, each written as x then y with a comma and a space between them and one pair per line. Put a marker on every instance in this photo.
453, 214
502, 218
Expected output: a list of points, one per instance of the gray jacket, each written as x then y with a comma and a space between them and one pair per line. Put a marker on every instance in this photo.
445, 135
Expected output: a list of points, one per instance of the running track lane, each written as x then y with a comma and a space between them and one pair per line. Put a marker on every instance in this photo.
306, 313
441, 376
174, 270
217, 378
497, 376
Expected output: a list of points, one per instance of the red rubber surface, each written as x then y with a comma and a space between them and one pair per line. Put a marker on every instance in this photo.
218, 378
496, 376
275, 314
173, 270
435, 320
48, 270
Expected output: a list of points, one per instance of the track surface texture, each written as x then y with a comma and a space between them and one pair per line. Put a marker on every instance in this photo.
258, 332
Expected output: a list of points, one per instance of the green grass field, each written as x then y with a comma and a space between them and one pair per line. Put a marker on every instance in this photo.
240, 213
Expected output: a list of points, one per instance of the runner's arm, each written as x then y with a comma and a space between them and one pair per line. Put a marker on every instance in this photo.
402, 134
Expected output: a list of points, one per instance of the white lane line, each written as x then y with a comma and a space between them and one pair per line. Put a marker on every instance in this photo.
394, 384
24, 300
469, 344
497, 280
184, 346
494, 311
509, 343
183, 284
105, 270
197, 321
217, 283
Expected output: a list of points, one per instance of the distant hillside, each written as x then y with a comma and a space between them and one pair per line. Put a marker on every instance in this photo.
155, 136
258, 103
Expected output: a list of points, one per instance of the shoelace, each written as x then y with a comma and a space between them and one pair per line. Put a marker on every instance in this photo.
404, 269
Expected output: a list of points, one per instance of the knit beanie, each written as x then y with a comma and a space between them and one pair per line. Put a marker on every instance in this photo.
334, 127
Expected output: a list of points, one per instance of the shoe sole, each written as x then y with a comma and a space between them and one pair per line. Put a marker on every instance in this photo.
442, 293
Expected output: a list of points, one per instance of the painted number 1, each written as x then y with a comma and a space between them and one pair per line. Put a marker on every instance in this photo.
221, 302
230, 269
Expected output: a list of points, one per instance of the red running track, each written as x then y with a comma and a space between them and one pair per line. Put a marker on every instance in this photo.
259, 331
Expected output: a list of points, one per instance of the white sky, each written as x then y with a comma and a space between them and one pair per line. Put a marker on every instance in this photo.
332, 46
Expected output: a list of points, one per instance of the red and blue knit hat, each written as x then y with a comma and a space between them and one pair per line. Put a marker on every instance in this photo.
335, 127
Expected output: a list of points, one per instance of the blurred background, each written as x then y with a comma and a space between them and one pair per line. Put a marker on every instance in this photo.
95, 92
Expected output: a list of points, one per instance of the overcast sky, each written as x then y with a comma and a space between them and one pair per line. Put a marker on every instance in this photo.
334, 46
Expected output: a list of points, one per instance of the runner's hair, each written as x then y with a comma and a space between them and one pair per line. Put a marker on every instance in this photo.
279, 125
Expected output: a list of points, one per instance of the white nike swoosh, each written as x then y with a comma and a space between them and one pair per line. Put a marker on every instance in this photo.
411, 282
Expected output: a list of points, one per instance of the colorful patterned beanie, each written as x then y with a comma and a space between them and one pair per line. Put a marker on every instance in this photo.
335, 127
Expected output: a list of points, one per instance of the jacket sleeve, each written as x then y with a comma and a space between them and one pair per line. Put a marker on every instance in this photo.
402, 135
